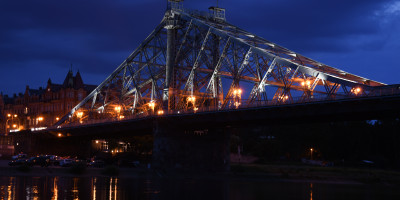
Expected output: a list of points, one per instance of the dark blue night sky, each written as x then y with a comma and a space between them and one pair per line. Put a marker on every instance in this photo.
40, 39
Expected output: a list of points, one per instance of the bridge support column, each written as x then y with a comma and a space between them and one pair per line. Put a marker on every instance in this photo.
190, 149
168, 101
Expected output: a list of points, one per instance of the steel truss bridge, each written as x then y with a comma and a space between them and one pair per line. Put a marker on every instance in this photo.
194, 62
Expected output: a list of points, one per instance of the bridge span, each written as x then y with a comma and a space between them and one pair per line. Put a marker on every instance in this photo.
195, 79
201, 140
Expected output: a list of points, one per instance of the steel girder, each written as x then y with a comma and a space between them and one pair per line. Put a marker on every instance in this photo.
215, 65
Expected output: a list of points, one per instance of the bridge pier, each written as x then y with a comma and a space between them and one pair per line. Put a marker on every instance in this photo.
190, 149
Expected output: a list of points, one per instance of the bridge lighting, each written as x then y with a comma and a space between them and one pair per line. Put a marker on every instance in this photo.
14, 126
160, 112
192, 98
40, 119
283, 97
8, 115
237, 104
79, 114
152, 105
97, 141
57, 118
356, 91
237, 92
59, 135
118, 108
306, 83
121, 117
15, 115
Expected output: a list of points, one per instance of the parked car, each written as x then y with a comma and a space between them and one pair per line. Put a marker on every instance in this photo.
17, 162
66, 162
19, 156
55, 160
97, 163
42, 161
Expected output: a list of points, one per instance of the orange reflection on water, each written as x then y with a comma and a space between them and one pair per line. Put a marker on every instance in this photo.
115, 188
32, 192
112, 193
11, 189
75, 191
311, 188
55, 189
94, 180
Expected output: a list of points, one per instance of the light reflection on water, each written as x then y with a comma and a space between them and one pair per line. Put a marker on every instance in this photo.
112, 188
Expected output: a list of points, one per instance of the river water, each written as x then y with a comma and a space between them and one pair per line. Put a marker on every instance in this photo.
155, 188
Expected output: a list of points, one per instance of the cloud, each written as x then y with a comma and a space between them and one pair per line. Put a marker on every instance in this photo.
97, 35
392, 8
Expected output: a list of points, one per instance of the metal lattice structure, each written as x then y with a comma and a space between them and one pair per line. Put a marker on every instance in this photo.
195, 61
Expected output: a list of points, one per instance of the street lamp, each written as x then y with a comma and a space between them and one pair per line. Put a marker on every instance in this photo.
11, 117
39, 120
311, 152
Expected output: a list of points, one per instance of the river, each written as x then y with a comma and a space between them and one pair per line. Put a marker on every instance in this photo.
27, 187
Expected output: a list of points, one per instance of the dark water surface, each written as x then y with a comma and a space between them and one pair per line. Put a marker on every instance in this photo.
153, 188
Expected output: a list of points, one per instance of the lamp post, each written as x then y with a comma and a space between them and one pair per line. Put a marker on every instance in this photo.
311, 152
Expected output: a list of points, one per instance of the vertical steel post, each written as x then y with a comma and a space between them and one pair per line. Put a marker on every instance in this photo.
168, 100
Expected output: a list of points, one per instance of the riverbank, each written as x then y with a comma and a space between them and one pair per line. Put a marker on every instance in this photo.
248, 172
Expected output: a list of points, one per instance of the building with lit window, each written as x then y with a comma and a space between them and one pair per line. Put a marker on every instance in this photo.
42, 107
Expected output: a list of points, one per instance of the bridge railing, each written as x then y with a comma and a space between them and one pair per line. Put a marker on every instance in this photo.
245, 104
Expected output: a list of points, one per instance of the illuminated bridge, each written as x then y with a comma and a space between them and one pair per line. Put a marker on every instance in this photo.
196, 74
